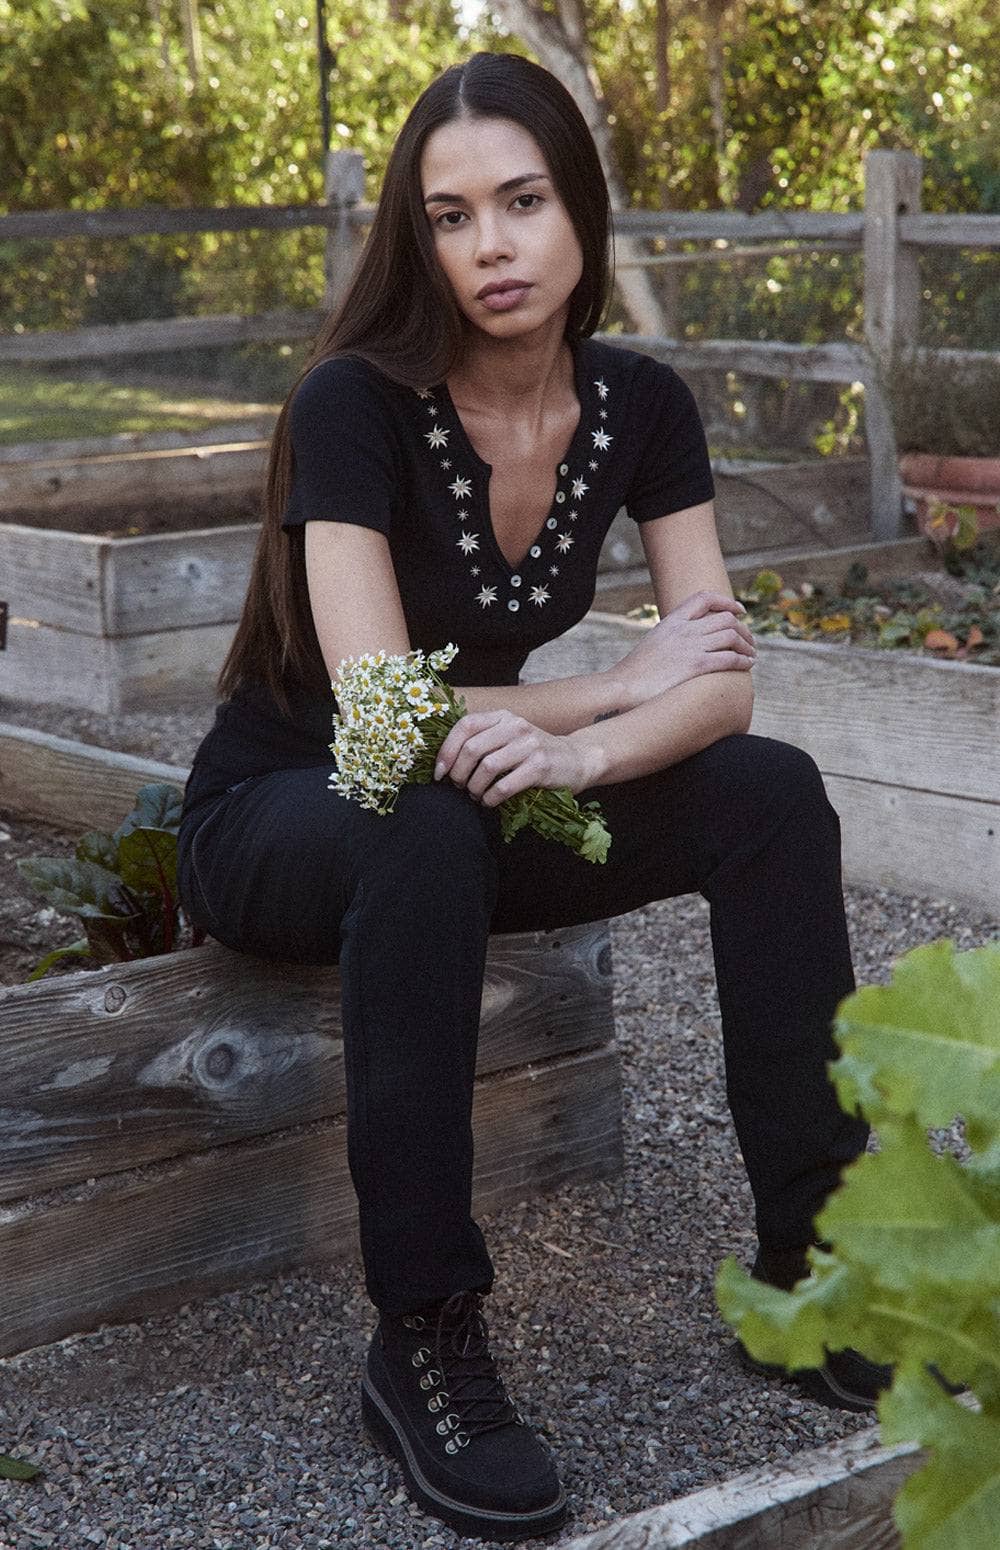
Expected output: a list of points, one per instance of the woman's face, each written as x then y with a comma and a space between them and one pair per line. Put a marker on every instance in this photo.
502, 234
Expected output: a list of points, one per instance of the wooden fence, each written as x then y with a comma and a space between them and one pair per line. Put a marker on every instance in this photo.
889, 231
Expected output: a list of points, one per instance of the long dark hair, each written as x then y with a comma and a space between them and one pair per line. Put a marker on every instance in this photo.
399, 314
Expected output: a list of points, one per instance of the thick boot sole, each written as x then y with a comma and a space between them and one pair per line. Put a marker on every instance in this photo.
475, 1522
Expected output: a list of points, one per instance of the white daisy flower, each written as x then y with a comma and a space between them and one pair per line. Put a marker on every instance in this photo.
602, 440
485, 596
539, 595
579, 489
565, 543
438, 437
461, 488
468, 543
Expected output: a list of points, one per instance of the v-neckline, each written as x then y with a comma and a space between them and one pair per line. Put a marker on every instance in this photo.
571, 453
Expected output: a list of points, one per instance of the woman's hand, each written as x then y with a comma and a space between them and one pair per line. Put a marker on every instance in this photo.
495, 754
703, 634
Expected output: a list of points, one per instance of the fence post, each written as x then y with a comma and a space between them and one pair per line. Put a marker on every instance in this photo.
343, 187
892, 316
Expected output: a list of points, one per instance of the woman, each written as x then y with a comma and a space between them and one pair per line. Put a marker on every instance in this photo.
447, 469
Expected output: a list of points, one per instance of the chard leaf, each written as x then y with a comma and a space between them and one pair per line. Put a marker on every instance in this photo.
78, 949
99, 848
955, 1499
75, 887
17, 1469
785, 1329
157, 806
147, 860
907, 1217
928, 1045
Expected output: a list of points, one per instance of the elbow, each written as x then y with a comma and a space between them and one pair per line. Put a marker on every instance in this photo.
741, 703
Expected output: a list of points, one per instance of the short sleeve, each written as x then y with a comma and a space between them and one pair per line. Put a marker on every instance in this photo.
673, 471
345, 457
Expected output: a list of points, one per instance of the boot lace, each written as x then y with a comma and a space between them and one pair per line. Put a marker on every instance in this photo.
463, 1371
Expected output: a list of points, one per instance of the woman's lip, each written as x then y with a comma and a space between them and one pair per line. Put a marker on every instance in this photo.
503, 301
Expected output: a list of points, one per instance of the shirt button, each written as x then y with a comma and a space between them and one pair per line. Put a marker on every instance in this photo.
560, 497
513, 605
515, 581
564, 468
551, 522
535, 551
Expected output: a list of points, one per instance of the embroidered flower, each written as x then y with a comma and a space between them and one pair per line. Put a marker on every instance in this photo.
579, 489
485, 596
468, 543
539, 595
602, 388
602, 440
461, 488
438, 437
565, 543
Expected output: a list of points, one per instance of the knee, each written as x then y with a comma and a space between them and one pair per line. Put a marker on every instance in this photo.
437, 830
770, 777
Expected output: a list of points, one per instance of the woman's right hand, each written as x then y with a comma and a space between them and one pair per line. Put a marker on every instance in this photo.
706, 633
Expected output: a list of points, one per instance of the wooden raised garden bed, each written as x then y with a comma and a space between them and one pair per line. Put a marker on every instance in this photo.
175, 1126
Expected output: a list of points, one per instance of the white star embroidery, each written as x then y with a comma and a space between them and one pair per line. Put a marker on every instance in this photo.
422, 392
591, 464
461, 488
446, 462
603, 413
432, 409
463, 516
553, 570
579, 489
565, 543
468, 543
573, 516
474, 571
602, 440
438, 437
539, 595
485, 596
602, 387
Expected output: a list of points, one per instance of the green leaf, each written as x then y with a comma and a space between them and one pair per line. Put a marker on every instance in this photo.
784, 1329
17, 1469
99, 848
928, 1045
147, 860
75, 887
909, 1217
953, 1503
77, 949
157, 806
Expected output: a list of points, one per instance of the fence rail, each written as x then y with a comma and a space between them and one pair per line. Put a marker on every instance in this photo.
888, 233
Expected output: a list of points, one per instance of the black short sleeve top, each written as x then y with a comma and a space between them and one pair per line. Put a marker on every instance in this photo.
371, 452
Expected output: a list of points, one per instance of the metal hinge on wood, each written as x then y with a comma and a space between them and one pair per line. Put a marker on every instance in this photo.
4, 611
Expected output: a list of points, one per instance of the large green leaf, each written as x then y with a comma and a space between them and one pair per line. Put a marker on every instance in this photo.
928, 1045
99, 848
157, 806
909, 1216
147, 860
75, 887
953, 1503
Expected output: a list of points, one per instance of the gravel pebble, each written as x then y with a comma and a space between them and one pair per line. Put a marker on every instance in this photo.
232, 1423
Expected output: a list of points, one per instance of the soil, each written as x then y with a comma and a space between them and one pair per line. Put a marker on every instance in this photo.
29, 928
144, 517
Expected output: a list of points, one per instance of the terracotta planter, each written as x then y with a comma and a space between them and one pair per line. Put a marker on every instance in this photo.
959, 481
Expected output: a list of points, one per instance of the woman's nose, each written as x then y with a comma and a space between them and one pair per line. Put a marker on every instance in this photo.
492, 239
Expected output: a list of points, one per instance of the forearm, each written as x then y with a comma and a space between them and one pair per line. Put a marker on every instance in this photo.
666, 729
559, 705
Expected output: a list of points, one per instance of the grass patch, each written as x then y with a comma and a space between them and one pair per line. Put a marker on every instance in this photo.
41, 406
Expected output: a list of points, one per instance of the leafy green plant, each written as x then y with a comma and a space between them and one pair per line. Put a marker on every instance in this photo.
911, 1274
940, 408
123, 886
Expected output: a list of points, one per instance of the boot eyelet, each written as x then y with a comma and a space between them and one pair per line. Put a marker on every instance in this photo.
430, 1379
448, 1424
437, 1401
460, 1440
420, 1357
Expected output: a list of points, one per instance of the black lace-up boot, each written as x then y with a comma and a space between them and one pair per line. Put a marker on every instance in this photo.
847, 1380
432, 1398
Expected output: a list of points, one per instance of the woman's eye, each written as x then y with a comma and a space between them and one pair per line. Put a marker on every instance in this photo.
450, 218
532, 199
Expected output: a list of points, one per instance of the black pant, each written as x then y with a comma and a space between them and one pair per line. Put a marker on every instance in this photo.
282, 867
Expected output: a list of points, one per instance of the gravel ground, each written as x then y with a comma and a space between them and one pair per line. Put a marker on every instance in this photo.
232, 1423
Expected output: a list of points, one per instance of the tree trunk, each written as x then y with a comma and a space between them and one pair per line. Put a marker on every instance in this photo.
560, 42
192, 38
670, 283
714, 12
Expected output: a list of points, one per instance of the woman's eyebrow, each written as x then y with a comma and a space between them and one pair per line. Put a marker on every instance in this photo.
501, 188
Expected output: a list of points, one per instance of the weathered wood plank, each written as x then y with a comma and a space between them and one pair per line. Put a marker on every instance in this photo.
152, 220
833, 1498
47, 666
766, 358
143, 1061
126, 1246
709, 225
956, 230
71, 784
51, 574
257, 427
919, 842
174, 581
102, 340
59, 484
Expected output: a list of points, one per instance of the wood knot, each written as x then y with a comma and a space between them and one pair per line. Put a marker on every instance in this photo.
220, 1060
114, 998
604, 964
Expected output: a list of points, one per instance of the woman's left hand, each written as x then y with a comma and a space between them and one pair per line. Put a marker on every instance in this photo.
495, 754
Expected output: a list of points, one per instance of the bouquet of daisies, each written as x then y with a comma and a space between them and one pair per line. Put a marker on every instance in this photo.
394, 712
